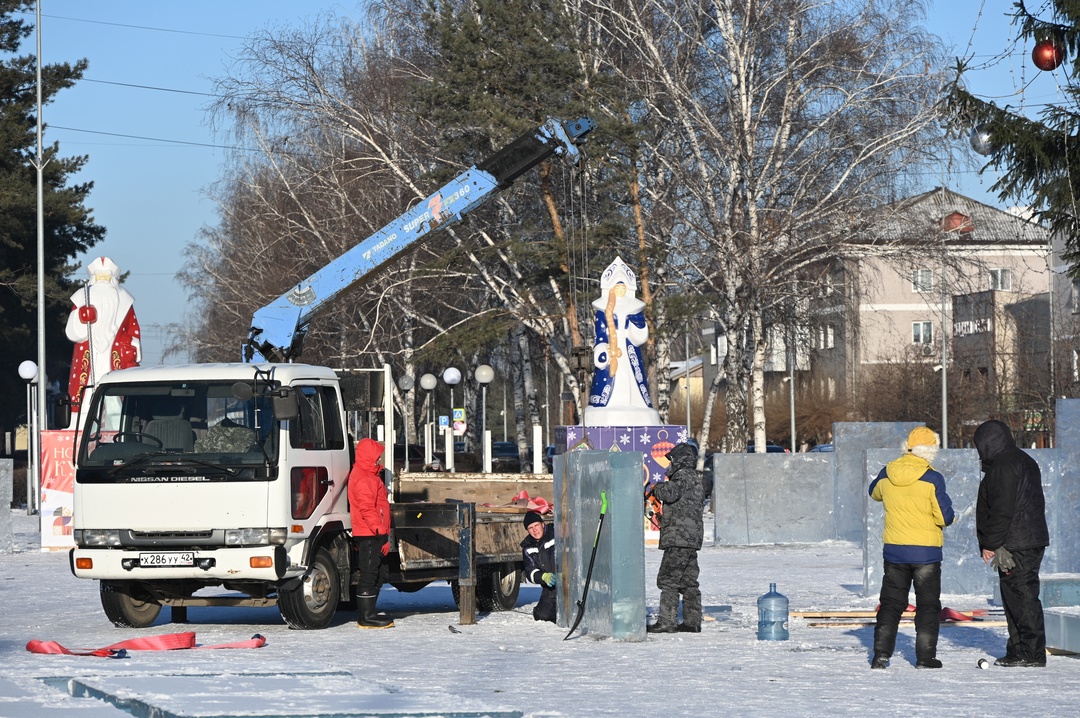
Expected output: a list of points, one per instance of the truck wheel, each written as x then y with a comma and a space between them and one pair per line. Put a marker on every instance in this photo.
311, 603
128, 604
498, 586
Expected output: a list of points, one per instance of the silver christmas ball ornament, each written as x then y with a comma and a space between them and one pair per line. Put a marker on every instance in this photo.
981, 139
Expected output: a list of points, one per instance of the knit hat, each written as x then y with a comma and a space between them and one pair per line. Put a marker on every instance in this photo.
531, 517
921, 436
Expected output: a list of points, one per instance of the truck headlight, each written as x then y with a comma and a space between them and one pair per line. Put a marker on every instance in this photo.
255, 537
90, 538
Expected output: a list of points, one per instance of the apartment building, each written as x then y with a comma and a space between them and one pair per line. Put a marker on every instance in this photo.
951, 284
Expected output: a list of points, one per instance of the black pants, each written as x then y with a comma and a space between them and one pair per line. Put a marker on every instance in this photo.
1023, 609
545, 607
370, 567
896, 581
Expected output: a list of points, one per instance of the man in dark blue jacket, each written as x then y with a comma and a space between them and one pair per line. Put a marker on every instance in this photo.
538, 558
1010, 522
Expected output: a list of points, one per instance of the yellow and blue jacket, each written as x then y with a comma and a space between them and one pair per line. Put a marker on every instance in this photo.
917, 508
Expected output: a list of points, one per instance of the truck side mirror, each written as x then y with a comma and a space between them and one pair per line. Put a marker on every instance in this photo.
62, 412
285, 405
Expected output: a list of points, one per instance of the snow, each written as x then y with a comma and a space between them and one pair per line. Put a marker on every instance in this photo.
507, 664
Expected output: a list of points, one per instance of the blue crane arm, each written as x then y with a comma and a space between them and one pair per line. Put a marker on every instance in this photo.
278, 329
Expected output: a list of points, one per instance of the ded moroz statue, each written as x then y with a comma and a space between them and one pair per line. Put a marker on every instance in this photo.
620, 389
103, 326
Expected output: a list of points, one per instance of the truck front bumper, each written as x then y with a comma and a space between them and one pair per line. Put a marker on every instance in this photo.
255, 563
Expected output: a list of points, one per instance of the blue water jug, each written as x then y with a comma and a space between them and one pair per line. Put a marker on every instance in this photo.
772, 610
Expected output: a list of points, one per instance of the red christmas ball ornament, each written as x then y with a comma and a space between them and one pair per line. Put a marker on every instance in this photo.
1048, 55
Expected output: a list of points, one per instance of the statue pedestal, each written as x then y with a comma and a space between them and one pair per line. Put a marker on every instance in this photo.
652, 441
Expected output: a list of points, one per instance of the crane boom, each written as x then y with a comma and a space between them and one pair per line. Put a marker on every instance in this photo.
278, 329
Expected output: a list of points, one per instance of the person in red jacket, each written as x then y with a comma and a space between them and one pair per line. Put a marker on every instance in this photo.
369, 509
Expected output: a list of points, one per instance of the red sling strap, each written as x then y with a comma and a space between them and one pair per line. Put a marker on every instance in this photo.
167, 642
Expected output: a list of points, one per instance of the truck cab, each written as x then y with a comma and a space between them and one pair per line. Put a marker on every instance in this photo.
214, 474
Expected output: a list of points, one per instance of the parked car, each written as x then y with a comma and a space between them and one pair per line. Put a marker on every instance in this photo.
549, 457
769, 449
822, 447
505, 458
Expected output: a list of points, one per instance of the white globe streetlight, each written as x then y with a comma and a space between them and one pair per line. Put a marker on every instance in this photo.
405, 383
484, 375
28, 370
428, 382
451, 376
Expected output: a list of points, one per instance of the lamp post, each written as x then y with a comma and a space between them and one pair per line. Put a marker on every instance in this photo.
428, 382
28, 370
451, 376
405, 383
484, 374
686, 378
791, 386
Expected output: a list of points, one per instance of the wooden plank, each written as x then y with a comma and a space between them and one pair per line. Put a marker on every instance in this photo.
862, 624
869, 614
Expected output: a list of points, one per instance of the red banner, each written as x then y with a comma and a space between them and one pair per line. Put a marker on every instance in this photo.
57, 486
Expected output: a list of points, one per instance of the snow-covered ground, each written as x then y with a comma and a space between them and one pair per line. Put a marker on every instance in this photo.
507, 664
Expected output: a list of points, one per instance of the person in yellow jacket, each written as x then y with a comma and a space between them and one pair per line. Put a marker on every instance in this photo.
917, 508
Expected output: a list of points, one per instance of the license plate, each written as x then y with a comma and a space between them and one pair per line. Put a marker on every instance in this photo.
174, 558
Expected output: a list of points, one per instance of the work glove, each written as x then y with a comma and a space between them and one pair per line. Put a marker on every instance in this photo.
1003, 560
548, 579
385, 549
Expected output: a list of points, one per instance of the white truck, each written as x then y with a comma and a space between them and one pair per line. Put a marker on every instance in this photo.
194, 477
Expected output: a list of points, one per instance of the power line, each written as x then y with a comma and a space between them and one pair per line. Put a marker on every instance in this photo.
150, 87
138, 27
155, 139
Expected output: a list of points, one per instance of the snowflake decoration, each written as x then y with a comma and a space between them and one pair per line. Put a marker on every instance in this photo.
624, 439
681, 436
645, 438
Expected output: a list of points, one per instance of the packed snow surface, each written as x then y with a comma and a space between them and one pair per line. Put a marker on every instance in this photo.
508, 665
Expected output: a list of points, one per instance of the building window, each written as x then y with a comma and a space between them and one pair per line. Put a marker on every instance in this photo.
922, 280
922, 332
1001, 279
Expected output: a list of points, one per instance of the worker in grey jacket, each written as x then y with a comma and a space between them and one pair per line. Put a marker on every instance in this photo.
682, 529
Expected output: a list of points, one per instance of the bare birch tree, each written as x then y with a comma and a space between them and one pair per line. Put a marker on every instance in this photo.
789, 124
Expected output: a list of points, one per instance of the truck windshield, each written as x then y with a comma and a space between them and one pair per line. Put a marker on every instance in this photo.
198, 423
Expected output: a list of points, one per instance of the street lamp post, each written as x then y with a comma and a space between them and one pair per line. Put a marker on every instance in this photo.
451, 376
686, 379
484, 374
428, 382
28, 370
405, 383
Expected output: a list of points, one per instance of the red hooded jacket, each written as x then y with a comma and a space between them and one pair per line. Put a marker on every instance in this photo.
369, 505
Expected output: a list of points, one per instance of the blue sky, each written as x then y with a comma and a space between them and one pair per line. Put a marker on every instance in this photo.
153, 154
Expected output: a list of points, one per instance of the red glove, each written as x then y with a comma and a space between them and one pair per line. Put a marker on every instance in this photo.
87, 314
385, 548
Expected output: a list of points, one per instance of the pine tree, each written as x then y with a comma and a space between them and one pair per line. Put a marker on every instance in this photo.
69, 226
1034, 158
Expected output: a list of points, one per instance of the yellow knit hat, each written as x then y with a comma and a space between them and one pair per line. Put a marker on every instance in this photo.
921, 436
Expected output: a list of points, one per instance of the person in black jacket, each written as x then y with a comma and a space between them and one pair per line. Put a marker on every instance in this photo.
682, 529
1010, 522
538, 558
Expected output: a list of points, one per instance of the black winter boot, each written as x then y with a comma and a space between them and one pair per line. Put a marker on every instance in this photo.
368, 618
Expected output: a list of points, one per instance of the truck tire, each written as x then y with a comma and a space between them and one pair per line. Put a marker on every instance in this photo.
310, 603
128, 604
497, 587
